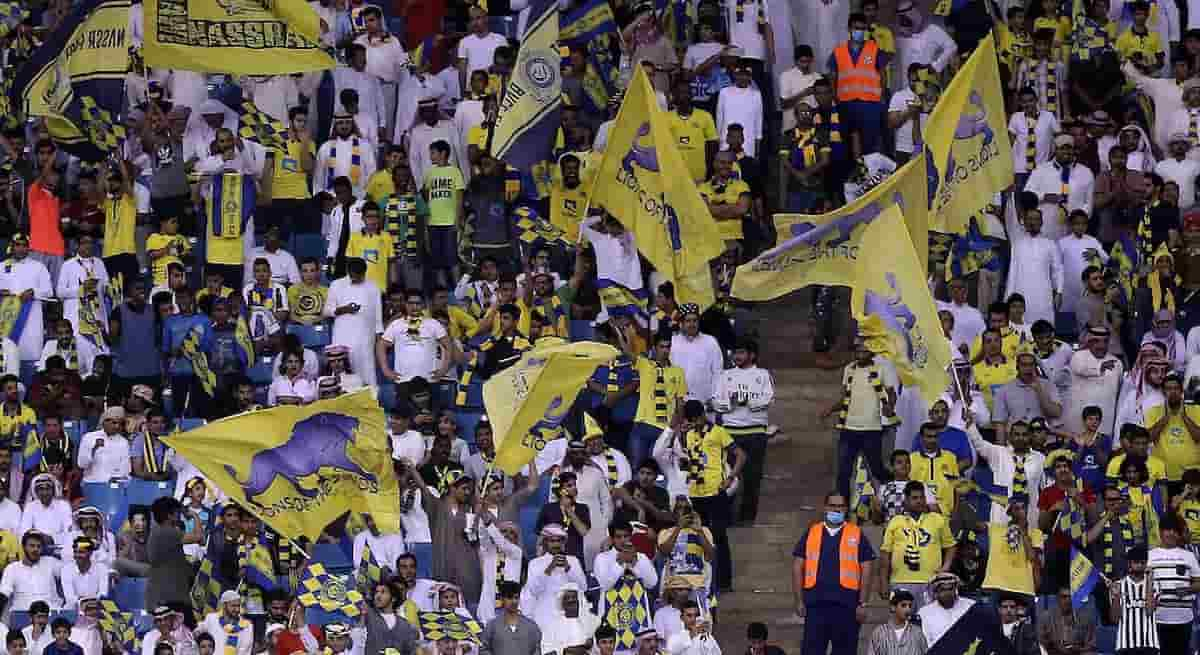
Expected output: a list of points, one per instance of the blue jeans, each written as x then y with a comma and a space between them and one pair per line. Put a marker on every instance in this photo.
641, 443
850, 444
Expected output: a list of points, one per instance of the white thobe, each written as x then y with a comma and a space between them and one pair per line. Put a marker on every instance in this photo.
540, 590
1046, 179
1167, 95
78, 584
212, 625
620, 462
357, 331
283, 266
274, 95
594, 492
386, 59
323, 178
53, 519
420, 138
742, 106
467, 115
23, 583
1036, 273
937, 620
411, 91
1132, 406
702, 363
931, 46
15, 278
780, 12
369, 89
106, 462
1089, 386
85, 352
385, 548
71, 277
1001, 459
89, 638
1182, 172
609, 571
1074, 251
968, 323
1045, 126
188, 88
491, 542
10, 516
820, 24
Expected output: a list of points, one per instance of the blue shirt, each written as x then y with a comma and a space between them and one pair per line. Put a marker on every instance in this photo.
626, 373
71, 648
1091, 461
829, 591
951, 439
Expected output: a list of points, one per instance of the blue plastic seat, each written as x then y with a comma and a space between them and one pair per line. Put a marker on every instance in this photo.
260, 374
130, 594
467, 419
581, 330
17, 620
110, 498
74, 429
309, 245
190, 423
311, 336
333, 557
473, 399
145, 492
1106, 638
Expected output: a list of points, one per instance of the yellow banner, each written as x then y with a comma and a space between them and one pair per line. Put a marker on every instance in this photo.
968, 139
528, 402
824, 249
243, 37
892, 299
300, 467
640, 183
527, 118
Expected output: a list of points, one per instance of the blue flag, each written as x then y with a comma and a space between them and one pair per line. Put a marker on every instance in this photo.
1084, 577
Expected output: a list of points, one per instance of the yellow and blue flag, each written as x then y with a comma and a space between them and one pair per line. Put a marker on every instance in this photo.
76, 79
626, 607
435, 625
591, 27
118, 626
230, 205
258, 569
423, 53
257, 125
206, 589
824, 249
527, 118
31, 451
892, 293
530, 400
14, 315
967, 143
299, 467
369, 571
242, 37
638, 182
587, 21
331, 593
1084, 577
193, 349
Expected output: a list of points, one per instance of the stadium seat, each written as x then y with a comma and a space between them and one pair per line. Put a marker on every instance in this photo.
109, 498
17, 620
443, 394
467, 419
69, 615
186, 424
74, 429
145, 492
309, 245
474, 395
387, 394
260, 374
311, 336
1106, 638
332, 557
130, 594
581, 330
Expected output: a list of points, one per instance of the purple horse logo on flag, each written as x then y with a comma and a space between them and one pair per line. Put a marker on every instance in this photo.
898, 318
318, 442
646, 157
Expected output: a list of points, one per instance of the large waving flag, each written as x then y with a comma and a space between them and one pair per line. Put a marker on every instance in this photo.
529, 400
639, 183
967, 142
976, 632
243, 37
527, 119
892, 299
587, 21
76, 80
330, 593
299, 467
825, 249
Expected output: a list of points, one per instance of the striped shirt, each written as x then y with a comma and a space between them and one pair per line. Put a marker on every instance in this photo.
1136, 629
1172, 570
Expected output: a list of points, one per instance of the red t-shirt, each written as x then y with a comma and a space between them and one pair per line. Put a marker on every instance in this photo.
289, 642
45, 231
1047, 499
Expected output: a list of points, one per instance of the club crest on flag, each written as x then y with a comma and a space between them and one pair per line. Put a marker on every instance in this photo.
542, 69
898, 318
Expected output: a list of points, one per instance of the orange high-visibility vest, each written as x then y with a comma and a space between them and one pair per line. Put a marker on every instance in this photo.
858, 80
849, 568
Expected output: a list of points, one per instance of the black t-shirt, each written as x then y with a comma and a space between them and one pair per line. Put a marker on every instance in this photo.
657, 497
552, 513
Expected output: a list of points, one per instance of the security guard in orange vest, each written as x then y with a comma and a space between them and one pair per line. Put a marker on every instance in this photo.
857, 67
831, 580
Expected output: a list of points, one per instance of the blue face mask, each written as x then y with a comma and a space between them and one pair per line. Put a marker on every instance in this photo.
835, 518
858, 36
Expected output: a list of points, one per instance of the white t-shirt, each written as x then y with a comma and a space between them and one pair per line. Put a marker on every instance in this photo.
791, 83
904, 133
1172, 571
414, 355
479, 51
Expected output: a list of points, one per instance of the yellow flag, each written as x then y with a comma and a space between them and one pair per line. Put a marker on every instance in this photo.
824, 249
243, 37
299, 467
640, 182
968, 143
529, 400
527, 118
891, 294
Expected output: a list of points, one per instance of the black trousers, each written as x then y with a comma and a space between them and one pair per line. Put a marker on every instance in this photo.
716, 513
1174, 638
755, 447
125, 264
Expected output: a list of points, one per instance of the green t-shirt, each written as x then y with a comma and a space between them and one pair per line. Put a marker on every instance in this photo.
440, 183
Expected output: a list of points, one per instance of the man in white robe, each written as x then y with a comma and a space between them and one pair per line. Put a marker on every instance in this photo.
73, 278
1062, 186
28, 278
1036, 270
822, 24
337, 158
1095, 379
430, 127
1078, 249
353, 304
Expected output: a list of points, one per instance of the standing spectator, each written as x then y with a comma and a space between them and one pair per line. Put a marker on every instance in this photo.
1061, 185
831, 580
1032, 131
1175, 577
742, 104
44, 209
866, 408
1079, 251
857, 68
1036, 269
511, 633
1029, 396
1131, 603
744, 394
698, 354
899, 636
1014, 465
917, 544
27, 278
345, 154
354, 305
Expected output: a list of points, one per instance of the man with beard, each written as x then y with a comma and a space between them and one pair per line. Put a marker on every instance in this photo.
555, 569
347, 155
1062, 185
1014, 465
1036, 270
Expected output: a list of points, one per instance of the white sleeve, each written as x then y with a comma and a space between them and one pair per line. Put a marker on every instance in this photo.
68, 281
720, 398
766, 395
645, 571
607, 570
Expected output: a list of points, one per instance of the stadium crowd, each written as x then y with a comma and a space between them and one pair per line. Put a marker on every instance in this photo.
389, 249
